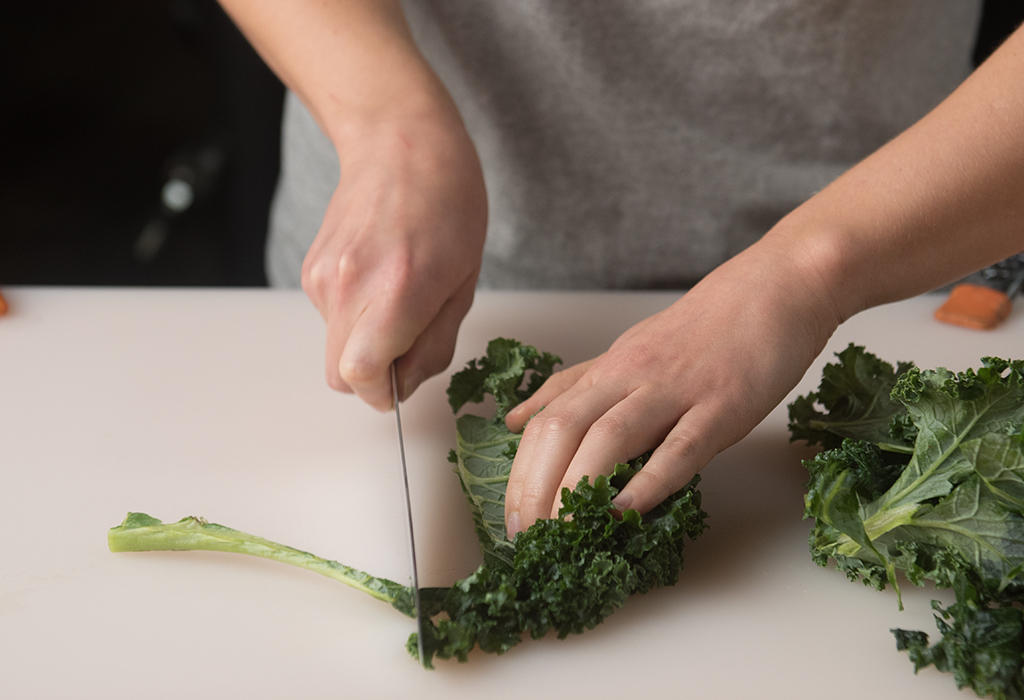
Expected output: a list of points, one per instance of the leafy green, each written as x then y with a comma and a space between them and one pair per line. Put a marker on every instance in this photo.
501, 373
483, 461
484, 447
981, 645
569, 574
948, 511
565, 574
855, 394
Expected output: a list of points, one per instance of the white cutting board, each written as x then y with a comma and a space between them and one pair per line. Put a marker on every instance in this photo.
212, 403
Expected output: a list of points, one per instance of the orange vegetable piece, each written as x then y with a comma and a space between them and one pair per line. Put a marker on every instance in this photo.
974, 306
3, 305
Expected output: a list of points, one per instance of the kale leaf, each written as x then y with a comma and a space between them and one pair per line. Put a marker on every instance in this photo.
950, 511
510, 372
982, 645
855, 395
568, 574
501, 373
483, 455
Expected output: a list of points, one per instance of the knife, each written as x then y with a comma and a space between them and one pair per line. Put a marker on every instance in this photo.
408, 511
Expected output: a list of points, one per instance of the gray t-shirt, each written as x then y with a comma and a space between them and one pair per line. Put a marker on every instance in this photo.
641, 143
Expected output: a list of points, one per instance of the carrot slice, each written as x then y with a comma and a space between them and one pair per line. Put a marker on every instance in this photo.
974, 306
3, 305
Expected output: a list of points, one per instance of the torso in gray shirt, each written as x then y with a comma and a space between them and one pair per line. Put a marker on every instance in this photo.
640, 143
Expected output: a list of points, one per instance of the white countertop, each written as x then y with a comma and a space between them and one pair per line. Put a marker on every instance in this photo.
212, 403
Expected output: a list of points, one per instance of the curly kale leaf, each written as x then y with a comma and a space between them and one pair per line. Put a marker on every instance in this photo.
569, 573
855, 393
959, 491
485, 448
982, 644
952, 513
950, 410
501, 374
1000, 466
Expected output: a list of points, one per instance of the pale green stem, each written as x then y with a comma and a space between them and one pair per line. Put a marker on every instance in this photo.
140, 532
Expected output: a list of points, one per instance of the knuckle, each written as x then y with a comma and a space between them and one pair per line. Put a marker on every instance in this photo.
555, 425
555, 384
348, 269
652, 485
312, 277
357, 371
558, 378
512, 490
533, 429
340, 270
404, 284
682, 446
654, 481
569, 376
533, 505
609, 427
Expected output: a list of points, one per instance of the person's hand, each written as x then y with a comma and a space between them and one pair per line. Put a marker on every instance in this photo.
687, 382
394, 266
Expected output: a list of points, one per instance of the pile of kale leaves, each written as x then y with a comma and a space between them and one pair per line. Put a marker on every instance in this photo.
565, 574
923, 474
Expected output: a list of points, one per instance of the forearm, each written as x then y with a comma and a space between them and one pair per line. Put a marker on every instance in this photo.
351, 62
943, 199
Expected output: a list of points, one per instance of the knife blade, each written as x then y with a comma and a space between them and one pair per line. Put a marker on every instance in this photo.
408, 511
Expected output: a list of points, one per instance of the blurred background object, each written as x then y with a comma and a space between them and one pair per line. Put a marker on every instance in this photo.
141, 142
141, 145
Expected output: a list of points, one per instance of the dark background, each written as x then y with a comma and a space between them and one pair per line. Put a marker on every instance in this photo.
101, 101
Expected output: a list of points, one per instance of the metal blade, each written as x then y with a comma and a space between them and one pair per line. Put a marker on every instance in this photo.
408, 511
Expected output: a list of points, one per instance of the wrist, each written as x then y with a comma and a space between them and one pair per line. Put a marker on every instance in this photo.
801, 269
838, 251
351, 62
412, 95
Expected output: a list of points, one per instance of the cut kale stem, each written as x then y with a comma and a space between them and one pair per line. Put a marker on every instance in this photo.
140, 533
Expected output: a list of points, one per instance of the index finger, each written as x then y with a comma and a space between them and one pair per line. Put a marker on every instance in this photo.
553, 387
377, 338
549, 443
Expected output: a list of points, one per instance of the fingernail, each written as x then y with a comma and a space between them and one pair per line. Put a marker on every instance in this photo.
512, 527
622, 501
